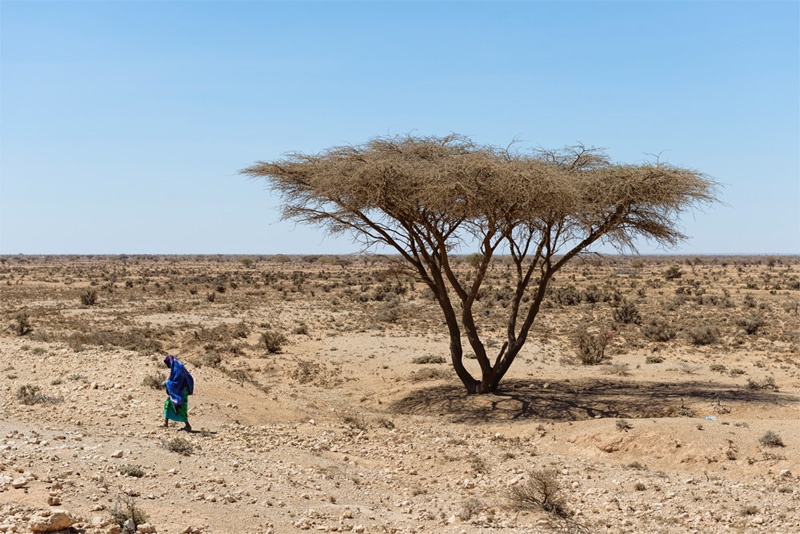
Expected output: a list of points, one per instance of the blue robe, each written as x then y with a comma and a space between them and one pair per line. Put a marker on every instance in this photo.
180, 383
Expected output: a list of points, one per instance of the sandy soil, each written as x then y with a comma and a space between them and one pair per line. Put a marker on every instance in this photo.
353, 426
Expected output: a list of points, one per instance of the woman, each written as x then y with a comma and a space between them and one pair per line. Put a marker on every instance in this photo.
180, 385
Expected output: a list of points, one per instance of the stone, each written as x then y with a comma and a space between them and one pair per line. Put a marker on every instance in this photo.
19, 482
116, 454
51, 521
145, 528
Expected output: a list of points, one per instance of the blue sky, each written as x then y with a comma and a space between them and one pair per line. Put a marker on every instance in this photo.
123, 125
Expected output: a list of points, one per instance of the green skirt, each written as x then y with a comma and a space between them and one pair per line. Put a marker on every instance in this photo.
181, 414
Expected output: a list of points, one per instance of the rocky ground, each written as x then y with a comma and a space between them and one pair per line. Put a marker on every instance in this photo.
343, 430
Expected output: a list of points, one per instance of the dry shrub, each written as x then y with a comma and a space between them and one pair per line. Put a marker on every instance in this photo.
684, 411
619, 369
127, 515
355, 421
179, 445
704, 335
751, 324
591, 348
627, 313
428, 359
311, 372
469, 508
541, 491
767, 383
88, 297
771, 439
153, 381
388, 313
272, 341
209, 358
136, 339
430, 373
623, 425
222, 333
21, 324
658, 330
566, 296
301, 329
130, 470
673, 273
30, 395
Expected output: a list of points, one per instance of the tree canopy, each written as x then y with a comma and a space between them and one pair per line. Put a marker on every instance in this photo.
426, 196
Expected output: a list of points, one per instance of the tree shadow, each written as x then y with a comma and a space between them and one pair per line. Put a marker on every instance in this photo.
575, 400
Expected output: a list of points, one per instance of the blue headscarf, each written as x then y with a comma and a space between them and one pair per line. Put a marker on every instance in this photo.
179, 379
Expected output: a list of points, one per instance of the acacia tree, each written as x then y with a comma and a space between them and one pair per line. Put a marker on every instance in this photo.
426, 196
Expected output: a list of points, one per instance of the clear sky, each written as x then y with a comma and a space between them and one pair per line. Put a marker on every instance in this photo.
123, 125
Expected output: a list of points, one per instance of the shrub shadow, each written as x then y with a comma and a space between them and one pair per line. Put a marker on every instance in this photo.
575, 400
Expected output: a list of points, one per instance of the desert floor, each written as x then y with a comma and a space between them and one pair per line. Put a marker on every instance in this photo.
325, 400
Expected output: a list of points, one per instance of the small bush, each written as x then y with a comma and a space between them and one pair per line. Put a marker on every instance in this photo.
627, 313
307, 371
129, 470
126, 515
428, 358
430, 373
750, 509
355, 421
619, 369
566, 296
540, 490
591, 348
179, 445
767, 383
623, 425
751, 324
301, 329
658, 330
654, 359
272, 341
717, 367
674, 272
771, 439
89, 297
685, 411
21, 324
388, 313
469, 508
210, 358
153, 381
704, 335
29, 395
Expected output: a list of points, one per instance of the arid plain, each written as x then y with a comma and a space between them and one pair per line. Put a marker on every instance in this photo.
325, 401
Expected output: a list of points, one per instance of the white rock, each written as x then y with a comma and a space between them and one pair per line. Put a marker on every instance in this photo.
47, 521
